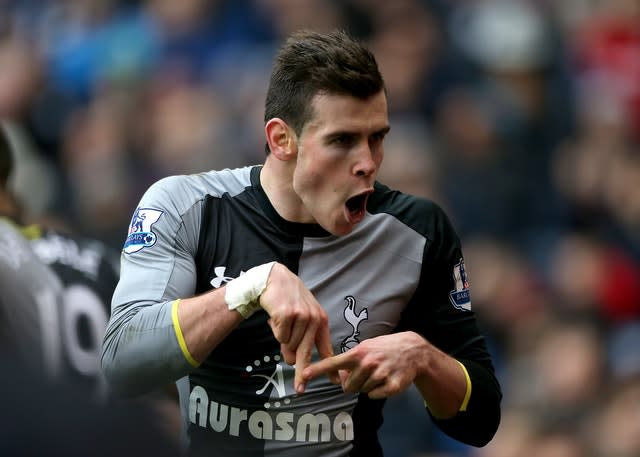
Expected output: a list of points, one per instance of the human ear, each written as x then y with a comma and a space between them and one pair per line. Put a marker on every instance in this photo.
281, 139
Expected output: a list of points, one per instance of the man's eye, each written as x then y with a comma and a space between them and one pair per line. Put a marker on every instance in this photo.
343, 140
378, 137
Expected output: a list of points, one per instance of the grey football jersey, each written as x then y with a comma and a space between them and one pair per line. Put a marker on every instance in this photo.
400, 269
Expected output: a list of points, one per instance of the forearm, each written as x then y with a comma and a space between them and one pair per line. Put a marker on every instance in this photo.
149, 345
203, 322
140, 351
442, 381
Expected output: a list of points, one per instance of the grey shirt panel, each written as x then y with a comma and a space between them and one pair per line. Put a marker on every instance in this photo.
363, 280
157, 267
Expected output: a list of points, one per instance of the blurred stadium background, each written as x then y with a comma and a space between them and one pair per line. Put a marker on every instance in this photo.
521, 118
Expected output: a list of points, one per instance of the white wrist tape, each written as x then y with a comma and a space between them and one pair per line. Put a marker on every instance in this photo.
243, 293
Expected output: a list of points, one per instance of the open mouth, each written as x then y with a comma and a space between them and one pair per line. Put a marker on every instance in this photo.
357, 205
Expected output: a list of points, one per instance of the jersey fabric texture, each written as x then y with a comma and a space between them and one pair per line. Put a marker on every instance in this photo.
400, 269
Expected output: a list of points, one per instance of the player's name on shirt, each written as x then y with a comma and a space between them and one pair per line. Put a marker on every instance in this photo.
54, 248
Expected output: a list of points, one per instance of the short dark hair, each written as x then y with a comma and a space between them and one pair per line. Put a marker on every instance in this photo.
310, 63
6, 157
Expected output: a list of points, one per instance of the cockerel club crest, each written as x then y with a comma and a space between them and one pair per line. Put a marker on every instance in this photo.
354, 319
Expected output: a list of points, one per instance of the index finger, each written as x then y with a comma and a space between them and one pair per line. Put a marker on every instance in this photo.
323, 343
303, 357
327, 366
325, 349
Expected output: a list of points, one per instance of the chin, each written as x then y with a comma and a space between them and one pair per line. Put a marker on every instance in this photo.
340, 229
338, 226
342, 232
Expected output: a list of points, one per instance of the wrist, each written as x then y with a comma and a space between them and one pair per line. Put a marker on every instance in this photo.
242, 294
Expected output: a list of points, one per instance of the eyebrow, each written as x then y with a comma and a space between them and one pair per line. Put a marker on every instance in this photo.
383, 131
349, 133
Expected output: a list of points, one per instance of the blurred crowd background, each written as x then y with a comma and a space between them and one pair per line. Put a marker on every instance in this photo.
521, 118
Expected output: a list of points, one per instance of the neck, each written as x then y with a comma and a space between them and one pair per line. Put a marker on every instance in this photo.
276, 179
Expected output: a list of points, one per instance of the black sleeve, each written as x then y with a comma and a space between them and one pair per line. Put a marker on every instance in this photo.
441, 312
367, 419
477, 425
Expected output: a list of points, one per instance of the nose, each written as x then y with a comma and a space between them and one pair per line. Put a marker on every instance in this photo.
365, 165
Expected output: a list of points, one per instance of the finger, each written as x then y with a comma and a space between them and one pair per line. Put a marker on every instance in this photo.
356, 381
378, 392
344, 374
325, 349
281, 329
288, 354
328, 365
303, 357
323, 342
371, 385
298, 331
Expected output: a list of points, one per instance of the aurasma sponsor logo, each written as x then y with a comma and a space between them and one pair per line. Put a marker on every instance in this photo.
268, 425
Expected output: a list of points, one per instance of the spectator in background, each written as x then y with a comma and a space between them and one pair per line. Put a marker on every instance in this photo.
593, 278
520, 92
604, 50
409, 43
616, 428
101, 173
411, 166
561, 375
596, 171
22, 74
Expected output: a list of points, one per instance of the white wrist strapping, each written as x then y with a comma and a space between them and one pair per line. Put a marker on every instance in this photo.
243, 292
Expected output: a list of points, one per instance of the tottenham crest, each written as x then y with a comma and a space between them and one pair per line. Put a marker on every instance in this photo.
354, 319
140, 230
460, 296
